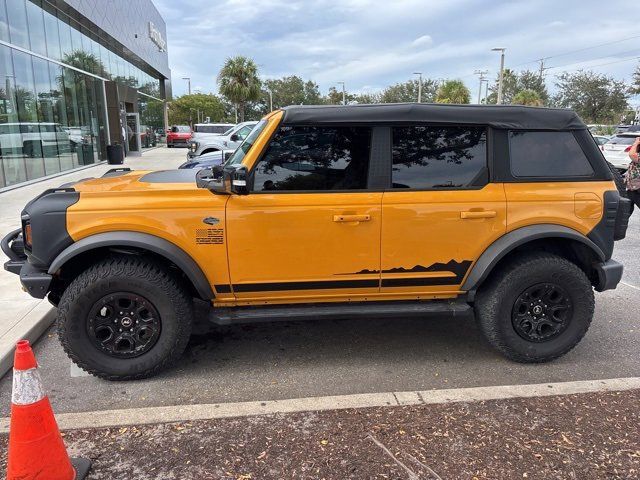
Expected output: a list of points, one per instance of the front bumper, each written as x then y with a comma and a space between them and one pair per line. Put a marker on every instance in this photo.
34, 281
609, 275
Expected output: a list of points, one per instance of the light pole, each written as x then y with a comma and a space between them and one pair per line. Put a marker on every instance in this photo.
419, 86
344, 95
501, 77
188, 79
270, 100
482, 73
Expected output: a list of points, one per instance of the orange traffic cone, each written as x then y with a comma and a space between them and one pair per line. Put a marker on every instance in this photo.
36, 449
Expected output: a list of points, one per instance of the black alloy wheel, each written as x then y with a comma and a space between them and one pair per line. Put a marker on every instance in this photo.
542, 312
124, 325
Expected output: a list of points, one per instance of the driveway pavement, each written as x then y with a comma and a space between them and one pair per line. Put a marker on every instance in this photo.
338, 357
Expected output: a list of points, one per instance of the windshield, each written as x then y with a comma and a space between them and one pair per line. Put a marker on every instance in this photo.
245, 146
180, 129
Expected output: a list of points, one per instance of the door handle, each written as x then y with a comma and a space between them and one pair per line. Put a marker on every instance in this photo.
470, 214
351, 218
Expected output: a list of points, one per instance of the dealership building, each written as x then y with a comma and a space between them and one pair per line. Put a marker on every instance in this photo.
75, 77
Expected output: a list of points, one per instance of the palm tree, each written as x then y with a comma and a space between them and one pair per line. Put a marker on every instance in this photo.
528, 97
239, 82
453, 91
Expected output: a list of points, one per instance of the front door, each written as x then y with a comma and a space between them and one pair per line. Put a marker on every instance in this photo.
440, 214
308, 229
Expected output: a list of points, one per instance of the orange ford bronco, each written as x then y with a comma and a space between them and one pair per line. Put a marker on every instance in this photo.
368, 210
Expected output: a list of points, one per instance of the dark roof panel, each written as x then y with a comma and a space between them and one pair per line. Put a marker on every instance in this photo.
503, 116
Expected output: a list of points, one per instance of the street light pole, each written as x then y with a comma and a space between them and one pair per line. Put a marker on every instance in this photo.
482, 73
501, 77
344, 95
270, 100
419, 86
188, 79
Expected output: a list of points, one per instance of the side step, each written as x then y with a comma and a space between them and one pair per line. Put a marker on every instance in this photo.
235, 315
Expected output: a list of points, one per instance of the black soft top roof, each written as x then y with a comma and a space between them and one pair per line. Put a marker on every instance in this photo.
502, 116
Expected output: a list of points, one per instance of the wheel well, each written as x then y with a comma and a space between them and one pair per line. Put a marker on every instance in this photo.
72, 268
573, 250
209, 150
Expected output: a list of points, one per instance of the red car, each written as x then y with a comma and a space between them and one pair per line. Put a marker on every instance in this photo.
178, 135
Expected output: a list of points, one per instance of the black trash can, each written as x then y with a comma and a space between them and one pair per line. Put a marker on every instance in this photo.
115, 154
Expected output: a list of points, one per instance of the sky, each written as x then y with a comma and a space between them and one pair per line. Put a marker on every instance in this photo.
373, 44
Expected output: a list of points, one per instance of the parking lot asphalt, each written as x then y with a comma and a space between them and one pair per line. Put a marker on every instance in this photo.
318, 358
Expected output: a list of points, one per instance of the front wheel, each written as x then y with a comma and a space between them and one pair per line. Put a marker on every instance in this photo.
536, 308
125, 318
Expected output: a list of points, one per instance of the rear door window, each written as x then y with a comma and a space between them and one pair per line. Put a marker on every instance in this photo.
315, 159
547, 155
433, 157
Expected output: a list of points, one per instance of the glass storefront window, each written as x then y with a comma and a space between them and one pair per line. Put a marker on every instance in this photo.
17, 17
53, 118
36, 27
52, 35
4, 25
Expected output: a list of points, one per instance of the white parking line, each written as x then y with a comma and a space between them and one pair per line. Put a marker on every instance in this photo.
181, 413
629, 285
76, 371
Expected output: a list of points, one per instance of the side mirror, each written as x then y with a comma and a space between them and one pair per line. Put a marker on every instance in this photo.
234, 137
223, 180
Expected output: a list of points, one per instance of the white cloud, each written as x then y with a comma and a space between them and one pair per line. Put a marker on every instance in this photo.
423, 41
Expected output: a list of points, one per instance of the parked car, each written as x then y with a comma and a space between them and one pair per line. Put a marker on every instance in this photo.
178, 135
616, 150
601, 140
33, 138
210, 159
333, 211
203, 129
229, 141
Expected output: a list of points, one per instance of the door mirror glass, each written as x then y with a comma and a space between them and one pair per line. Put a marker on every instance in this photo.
234, 137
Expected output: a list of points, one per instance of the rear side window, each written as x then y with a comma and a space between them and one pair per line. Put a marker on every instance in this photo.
315, 159
547, 154
426, 157
623, 140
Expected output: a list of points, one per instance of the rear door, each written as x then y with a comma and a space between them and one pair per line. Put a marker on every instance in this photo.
440, 213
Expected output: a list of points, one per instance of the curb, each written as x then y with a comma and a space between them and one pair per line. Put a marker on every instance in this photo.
30, 327
181, 413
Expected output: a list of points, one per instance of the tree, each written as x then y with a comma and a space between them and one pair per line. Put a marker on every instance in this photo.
453, 91
86, 61
239, 83
183, 110
291, 90
408, 92
527, 97
597, 98
513, 83
635, 85
334, 97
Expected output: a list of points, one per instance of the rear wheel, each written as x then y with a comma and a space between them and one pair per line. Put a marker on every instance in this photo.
536, 308
125, 318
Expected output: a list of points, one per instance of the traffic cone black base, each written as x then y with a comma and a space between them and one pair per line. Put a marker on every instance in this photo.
82, 467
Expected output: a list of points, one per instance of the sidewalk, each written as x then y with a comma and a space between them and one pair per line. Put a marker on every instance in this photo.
583, 436
22, 316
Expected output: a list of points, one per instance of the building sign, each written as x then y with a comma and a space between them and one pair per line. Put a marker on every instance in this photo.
156, 37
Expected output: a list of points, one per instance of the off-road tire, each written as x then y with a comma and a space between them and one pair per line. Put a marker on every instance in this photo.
619, 180
496, 299
141, 277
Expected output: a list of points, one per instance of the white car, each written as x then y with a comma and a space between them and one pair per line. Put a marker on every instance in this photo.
229, 141
205, 130
616, 150
33, 138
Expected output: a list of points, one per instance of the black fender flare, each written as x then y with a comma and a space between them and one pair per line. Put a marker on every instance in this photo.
145, 241
505, 244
